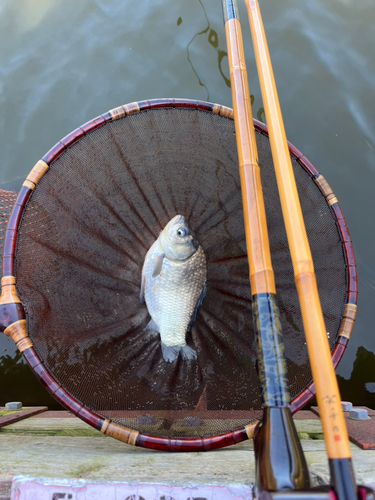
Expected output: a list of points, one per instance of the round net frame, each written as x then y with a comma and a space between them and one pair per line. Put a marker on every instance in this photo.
72, 261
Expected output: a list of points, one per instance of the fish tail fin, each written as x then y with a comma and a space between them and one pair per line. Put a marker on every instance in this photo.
188, 353
170, 352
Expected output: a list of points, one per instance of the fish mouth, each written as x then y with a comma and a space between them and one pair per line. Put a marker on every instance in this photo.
177, 219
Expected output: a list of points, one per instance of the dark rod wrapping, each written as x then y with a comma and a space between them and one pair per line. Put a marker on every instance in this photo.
342, 478
272, 370
279, 459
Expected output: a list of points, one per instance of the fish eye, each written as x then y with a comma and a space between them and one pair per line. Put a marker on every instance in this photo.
181, 232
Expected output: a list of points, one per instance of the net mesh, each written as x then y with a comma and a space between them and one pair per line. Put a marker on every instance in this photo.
7, 200
80, 251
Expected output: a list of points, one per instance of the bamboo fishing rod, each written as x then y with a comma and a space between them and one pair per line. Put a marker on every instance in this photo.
287, 468
335, 433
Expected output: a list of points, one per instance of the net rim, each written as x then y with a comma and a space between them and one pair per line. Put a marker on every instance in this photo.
16, 324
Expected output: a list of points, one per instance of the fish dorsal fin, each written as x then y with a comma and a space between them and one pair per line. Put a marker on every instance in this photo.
158, 264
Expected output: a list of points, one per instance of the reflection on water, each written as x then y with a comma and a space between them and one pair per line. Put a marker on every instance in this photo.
17, 383
63, 63
222, 58
25, 15
359, 389
213, 40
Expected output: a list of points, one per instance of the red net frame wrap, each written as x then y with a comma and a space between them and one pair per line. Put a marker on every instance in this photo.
72, 258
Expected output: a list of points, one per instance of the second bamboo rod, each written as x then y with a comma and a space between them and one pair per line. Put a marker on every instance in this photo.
327, 392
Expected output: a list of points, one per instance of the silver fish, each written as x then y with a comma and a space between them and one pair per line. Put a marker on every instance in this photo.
173, 286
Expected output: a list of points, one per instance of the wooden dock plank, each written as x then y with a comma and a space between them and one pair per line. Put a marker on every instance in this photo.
361, 432
98, 459
8, 417
73, 427
82, 457
62, 426
28, 450
5, 487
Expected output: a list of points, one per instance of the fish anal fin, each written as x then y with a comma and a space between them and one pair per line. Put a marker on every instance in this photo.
158, 264
152, 326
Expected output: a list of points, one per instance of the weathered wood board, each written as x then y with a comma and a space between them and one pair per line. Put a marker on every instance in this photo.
361, 432
8, 417
69, 448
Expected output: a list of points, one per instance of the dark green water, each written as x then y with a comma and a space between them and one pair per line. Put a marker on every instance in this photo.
65, 62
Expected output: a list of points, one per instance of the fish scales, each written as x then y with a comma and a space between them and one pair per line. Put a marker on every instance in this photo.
173, 295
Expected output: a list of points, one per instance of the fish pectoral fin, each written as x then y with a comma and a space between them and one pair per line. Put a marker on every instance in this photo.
199, 302
142, 292
158, 264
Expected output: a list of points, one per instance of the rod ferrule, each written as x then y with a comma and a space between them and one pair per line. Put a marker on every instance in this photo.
230, 10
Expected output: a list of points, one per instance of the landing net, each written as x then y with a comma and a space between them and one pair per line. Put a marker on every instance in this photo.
81, 243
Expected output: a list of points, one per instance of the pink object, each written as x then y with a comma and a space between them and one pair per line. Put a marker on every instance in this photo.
26, 488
